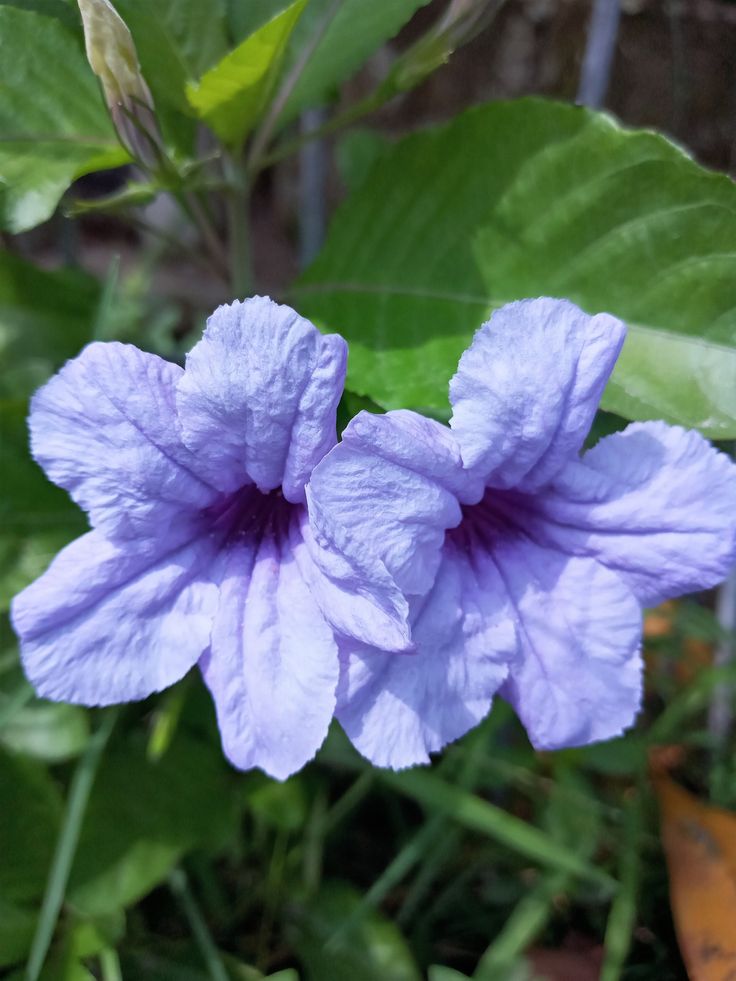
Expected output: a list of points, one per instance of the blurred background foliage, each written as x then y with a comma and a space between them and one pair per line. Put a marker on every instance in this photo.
205, 162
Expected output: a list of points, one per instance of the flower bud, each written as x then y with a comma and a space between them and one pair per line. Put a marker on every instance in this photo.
113, 58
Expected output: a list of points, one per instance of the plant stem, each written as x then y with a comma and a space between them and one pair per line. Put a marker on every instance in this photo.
622, 918
179, 885
66, 845
265, 131
238, 216
207, 230
110, 965
363, 108
523, 925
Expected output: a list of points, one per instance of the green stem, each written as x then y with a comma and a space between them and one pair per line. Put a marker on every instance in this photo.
265, 131
525, 923
179, 885
209, 234
363, 108
238, 215
110, 965
622, 919
274, 880
66, 845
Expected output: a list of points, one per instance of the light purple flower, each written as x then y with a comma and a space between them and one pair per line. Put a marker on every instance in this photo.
526, 564
200, 549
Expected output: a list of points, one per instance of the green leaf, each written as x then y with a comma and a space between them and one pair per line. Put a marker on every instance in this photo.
89, 936
45, 318
533, 198
244, 17
198, 30
31, 811
132, 838
53, 123
355, 154
47, 731
280, 805
439, 973
354, 33
16, 931
37, 517
231, 96
374, 949
62, 10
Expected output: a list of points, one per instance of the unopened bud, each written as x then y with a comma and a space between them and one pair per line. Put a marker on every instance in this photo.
113, 58
462, 20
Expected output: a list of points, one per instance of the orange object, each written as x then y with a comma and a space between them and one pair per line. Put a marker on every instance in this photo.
700, 845
659, 622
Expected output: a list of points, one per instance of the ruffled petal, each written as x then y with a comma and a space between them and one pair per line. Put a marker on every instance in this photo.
273, 664
104, 428
397, 710
352, 586
392, 484
108, 624
259, 396
527, 388
655, 503
578, 676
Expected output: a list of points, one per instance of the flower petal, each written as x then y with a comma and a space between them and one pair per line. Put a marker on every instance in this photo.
392, 484
104, 428
259, 396
578, 676
107, 624
353, 588
397, 710
273, 665
655, 503
527, 388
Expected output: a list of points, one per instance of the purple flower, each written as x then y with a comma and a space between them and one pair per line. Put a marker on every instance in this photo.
200, 549
526, 564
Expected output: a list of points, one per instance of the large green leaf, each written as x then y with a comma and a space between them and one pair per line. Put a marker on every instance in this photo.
244, 17
355, 31
231, 96
533, 198
331, 948
197, 28
31, 809
143, 816
45, 318
16, 930
61, 10
48, 731
36, 517
53, 124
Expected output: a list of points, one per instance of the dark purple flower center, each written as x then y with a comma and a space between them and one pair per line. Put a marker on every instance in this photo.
250, 514
498, 515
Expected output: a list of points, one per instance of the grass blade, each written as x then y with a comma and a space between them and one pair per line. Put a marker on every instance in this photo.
179, 885
479, 815
623, 911
525, 923
66, 846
